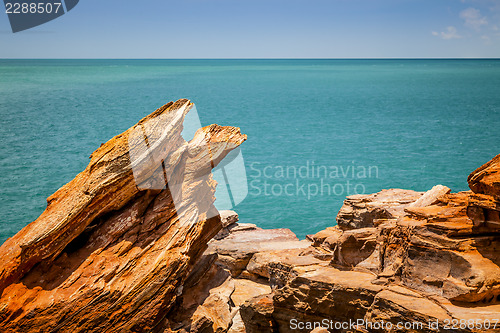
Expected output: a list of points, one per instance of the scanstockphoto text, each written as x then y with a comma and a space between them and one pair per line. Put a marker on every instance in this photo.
382, 325
309, 179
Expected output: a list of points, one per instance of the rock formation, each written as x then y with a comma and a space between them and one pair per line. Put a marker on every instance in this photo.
400, 256
134, 244
425, 260
106, 256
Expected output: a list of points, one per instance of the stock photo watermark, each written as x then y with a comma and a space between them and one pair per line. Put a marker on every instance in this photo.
155, 151
27, 14
420, 326
152, 158
309, 179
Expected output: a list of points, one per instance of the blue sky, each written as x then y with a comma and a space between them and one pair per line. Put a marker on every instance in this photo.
263, 29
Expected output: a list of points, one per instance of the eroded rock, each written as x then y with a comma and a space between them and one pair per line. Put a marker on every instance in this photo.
363, 210
486, 178
431, 197
114, 246
236, 250
117, 250
257, 314
400, 257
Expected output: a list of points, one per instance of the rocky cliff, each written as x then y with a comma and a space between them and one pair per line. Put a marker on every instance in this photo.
134, 244
398, 261
106, 255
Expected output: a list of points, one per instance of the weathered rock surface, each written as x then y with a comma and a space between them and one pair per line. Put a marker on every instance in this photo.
229, 220
205, 303
235, 251
108, 254
442, 251
247, 289
119, 250
228, 217
424, 260
486, 179
365, 210
257, 314
431, 197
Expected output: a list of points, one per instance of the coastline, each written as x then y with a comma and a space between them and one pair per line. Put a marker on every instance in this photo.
421, 122
123, 247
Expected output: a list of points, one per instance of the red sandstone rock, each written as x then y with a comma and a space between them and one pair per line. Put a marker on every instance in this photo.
486, 178
363, 210
106, 256
110, 256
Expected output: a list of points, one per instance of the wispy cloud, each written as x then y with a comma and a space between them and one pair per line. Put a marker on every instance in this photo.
449, 33
473, 18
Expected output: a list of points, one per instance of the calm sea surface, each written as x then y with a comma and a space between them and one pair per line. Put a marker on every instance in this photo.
318, 130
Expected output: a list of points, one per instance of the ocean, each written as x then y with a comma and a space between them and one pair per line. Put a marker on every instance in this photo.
318, 130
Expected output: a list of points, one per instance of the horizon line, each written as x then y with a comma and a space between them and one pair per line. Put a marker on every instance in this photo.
356, 58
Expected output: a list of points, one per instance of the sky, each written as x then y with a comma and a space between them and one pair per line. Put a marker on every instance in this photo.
263, 29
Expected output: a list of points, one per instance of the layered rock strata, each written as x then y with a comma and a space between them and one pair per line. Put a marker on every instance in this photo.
115, 245
134, 244
426, 261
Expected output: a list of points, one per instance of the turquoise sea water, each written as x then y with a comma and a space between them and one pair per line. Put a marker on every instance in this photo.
397, 123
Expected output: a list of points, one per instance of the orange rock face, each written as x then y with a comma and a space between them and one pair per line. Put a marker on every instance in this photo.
123, 248
397, 256
486, 179
484, 204
111, 251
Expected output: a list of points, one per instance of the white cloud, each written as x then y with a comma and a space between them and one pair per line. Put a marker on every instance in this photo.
449, 33
473, 18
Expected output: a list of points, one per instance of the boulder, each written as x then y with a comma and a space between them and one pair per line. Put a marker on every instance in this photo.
228, 217
363, 210
257, 315
486, 178
484, 204
314, 293
262, 263
431, 197
247, 289
435, 249
324, 297
236, 250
